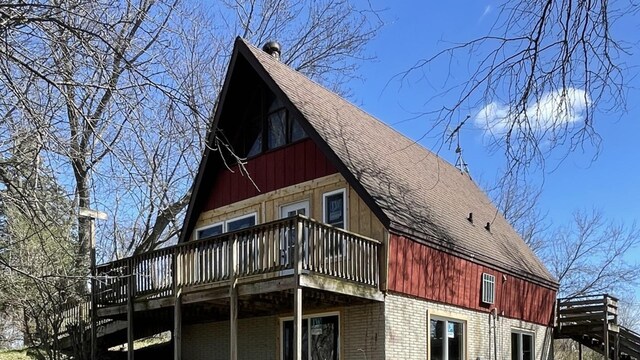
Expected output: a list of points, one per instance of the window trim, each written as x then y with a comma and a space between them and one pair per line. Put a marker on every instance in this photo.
306, 202
446, 316
241, 217
344, 206
224, 224
205, 227
309, 316
488, 295
521, 332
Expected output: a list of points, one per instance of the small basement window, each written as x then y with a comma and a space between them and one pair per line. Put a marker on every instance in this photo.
488, 288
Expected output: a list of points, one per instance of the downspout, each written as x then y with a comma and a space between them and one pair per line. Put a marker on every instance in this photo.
493, 314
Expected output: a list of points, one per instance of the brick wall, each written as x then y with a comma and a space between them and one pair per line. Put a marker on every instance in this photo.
210, 341
399, 326
363, 332
407, 330
362, 336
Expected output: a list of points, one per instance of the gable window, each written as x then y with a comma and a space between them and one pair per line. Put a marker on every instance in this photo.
280, 129
233, 224
277, 126
320, 338
446, 339
521, 346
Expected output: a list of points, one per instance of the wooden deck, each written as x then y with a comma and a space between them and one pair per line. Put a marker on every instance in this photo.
276, 257
592, 321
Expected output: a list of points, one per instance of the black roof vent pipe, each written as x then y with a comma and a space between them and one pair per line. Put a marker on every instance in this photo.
272, 48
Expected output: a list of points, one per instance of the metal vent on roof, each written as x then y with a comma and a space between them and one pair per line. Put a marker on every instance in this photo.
272, 48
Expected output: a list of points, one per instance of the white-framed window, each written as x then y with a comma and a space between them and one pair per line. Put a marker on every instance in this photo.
288, 240
240, 222
488, 288
233, 224
210, 230
334, 208
320, 337
446, 338
334, 213
522, 345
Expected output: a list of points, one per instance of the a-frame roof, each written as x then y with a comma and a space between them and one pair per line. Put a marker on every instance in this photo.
409, 188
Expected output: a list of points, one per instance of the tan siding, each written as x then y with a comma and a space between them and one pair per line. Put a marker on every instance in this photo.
360, 218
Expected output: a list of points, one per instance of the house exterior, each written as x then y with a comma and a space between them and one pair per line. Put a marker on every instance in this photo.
312, 153
337, 238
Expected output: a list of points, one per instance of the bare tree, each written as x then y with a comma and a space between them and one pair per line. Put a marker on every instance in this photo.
539, 80
588, 256
112, 101
120, 93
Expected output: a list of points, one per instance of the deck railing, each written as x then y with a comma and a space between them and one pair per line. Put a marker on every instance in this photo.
263, 249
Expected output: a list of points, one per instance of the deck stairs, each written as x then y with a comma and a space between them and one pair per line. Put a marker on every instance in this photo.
592, 321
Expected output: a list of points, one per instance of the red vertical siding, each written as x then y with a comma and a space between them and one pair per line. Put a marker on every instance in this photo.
274, 170
419, 270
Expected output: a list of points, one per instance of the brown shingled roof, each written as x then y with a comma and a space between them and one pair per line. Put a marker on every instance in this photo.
418, 192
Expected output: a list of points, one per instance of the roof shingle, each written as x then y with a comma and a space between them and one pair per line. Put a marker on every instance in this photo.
414, 188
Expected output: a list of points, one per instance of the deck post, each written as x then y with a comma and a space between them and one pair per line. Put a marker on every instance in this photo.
177, 308
91, 216
606, 327
579, 351
233, 298
297, 295
130, 298
92, 301
177, 327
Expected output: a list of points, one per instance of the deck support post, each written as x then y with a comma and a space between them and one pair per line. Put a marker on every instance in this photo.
297, 295
233, 299
177, 327
177, 308
616, 347
130, 298
579, 351
606, 328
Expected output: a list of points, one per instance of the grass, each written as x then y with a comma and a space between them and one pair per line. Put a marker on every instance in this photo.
15, 355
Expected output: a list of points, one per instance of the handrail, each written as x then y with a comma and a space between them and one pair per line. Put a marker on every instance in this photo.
264, 248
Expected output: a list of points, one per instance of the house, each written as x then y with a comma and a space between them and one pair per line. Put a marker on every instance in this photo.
337, 238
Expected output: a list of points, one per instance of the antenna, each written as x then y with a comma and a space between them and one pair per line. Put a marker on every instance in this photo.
460, 163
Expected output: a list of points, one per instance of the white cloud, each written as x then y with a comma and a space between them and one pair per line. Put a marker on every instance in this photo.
553, 109
487, 10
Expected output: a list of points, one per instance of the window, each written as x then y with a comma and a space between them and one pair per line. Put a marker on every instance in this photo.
320, 338
233, 224
488, 288
334, 208
209, 231
288, 240
241, 222
277, 125
446, 339
281, 129
521, 346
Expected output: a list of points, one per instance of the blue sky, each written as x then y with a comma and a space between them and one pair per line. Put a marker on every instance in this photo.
417, 29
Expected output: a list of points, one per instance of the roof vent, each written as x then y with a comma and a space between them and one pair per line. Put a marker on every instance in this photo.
488, 227
470, 218
272, 48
